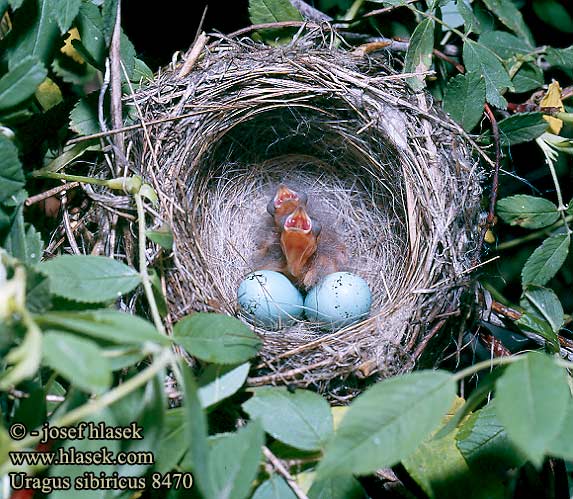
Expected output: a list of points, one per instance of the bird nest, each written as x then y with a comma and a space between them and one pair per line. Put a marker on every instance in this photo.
391, 174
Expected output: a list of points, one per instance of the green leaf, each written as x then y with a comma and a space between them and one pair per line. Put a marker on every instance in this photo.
483, 440
526, 211
21, 82
508, 14
387, 422
505, 44
471, 22
65, 11
70, 154
146, 408
11, 174
23, 241
106, 324
547, 304
465, 98
83, 117
15, 4
216, 338
437, 465
86, 446
562, 58
532, 321
123, 357
109, 14
336, 487
38, 297
234, 461
24, 359
532, 398
172, 444
90, 25
419, 54
35, 33
481, 60
89, 279
219, 382
560, 446
78, 360
163, 237
198, 457
528, 77
301, 419
476, 398
554, 14
270, 11
274, 488
546, 260
522, 127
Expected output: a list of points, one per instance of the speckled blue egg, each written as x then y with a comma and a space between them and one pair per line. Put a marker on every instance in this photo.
339, 300
269, 299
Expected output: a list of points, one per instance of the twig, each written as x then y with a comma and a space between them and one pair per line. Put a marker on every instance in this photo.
146, 280
495, 181
50, 192
116, 113
281, 470
387, 9
447, 58
309, 12
129, 128
424, 343
269, 378
68, 228
191, 60
505, 311
394, 45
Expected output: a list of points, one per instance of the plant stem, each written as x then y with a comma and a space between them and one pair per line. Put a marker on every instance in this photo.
533, 235
353, 10
146, 281
105, 400
498, 361
72, 178
561, 206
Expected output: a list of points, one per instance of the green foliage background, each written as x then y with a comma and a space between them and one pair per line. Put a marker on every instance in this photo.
69, 353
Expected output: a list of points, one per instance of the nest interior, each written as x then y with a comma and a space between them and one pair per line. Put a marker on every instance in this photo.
392, 175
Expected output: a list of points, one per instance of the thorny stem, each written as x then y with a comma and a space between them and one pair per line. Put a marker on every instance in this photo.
146, 281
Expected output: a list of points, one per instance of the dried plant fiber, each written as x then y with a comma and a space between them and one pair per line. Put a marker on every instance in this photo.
386, 169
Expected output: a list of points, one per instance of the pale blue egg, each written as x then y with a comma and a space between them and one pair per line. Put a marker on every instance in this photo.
269, 299
340, 299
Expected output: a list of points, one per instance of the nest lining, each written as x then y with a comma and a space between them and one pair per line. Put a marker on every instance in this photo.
393, 175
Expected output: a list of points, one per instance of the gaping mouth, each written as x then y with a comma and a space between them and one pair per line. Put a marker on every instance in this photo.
298, 220
284, 194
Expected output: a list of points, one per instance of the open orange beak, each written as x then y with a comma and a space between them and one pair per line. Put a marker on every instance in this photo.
285, 201
299, 240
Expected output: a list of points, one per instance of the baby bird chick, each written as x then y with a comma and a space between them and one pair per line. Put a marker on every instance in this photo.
284, 202
299, 240
311, 252
295, 244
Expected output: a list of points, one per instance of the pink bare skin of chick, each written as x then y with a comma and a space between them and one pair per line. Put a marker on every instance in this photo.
307, 252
